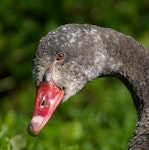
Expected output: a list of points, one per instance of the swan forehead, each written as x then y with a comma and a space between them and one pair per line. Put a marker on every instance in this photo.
70, 35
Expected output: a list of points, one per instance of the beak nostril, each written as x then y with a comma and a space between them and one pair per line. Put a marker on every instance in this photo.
43, 102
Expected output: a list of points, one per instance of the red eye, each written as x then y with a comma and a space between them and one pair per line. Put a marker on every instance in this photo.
60, 56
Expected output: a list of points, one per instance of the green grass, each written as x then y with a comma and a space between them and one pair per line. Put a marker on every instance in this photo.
101, 116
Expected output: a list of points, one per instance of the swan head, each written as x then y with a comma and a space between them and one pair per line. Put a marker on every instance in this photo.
65, 60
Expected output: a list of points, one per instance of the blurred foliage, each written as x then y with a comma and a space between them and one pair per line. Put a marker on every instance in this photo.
102, 115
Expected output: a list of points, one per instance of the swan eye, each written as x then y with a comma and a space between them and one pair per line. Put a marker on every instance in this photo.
60, 56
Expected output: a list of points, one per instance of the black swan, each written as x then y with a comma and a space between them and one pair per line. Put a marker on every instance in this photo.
70, 56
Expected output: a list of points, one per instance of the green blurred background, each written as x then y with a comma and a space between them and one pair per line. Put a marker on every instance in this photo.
102, 115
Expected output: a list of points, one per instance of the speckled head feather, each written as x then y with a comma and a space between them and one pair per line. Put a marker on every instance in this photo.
79, 43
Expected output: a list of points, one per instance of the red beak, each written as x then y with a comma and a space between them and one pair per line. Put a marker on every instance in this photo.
48, 97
